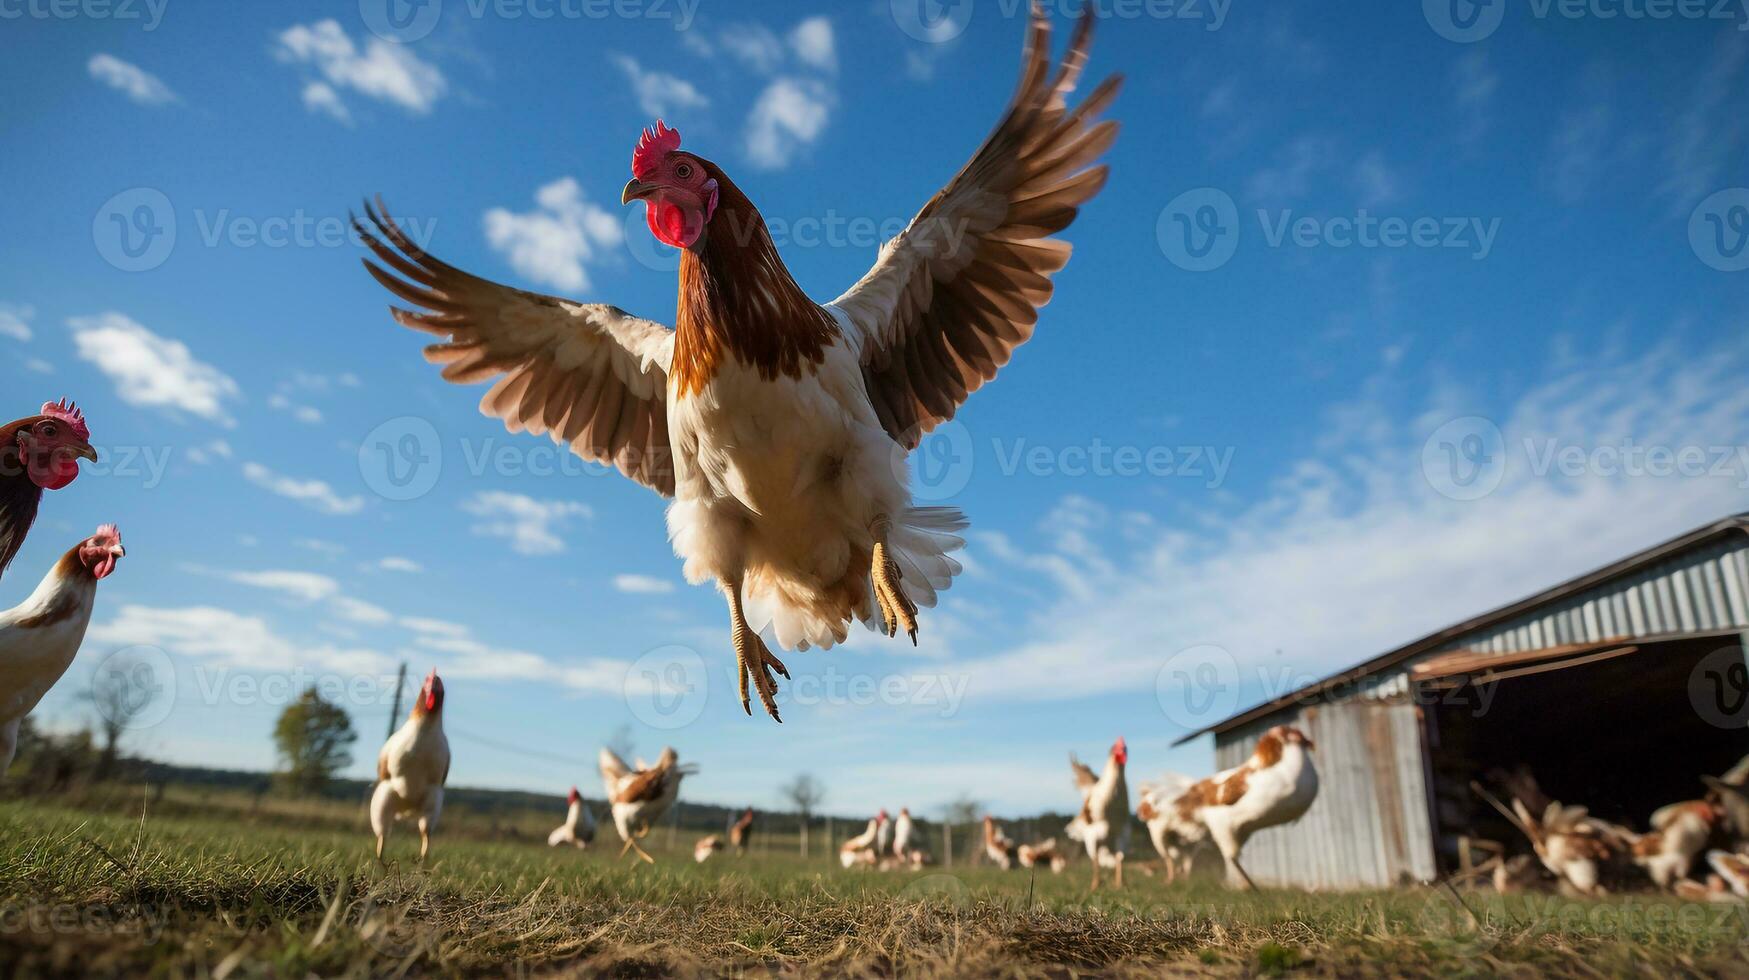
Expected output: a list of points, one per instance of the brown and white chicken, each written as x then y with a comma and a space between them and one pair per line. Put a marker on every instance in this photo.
1042, 854
1580, 849
859, 851
779, 426
1275, 786
997, 847
40, 636
639, 797
578, 830
411, 770
1680, 833
1103, 824
37, 453
1167, 808
706, 846
741, 832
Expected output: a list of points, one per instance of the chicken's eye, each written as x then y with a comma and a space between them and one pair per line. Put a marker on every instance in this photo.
684, 171
47, 431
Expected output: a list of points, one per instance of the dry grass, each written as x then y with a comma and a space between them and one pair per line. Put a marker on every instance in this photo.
90, 895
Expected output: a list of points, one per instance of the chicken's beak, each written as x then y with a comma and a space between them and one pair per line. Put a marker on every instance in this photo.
84, 451
636, 190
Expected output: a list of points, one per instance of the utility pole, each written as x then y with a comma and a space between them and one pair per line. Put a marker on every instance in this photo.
395, 710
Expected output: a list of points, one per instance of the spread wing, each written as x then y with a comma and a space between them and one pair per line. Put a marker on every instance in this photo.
959, 289
1084, 776
590, 375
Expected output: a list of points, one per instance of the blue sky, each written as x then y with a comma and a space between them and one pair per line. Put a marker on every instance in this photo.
1233, 449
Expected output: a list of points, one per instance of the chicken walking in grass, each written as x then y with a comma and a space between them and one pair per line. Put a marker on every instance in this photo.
780, 426
860, 850
1103, 824
639, 797
40, 636
37, 453
1167, 809
1275, 786
578, 830
741, 832
1043, 854
706, 846
997, 847
412, 769
1679, 835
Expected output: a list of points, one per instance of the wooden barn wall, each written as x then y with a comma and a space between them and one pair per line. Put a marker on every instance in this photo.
1368, 827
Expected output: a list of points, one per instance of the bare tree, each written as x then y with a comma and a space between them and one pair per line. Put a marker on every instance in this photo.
120, 690
805, 792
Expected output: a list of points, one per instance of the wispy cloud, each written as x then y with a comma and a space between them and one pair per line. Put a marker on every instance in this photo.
642, 584
131, 80
223, 637
152, 371
15, 321
553, 244
659, 93
394, 563
378, 70
790, 114
315, 494
533, 527
812, 42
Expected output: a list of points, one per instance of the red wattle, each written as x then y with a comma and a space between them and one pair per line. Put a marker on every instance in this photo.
56, 472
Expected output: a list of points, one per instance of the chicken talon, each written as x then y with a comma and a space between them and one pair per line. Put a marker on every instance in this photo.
897, 610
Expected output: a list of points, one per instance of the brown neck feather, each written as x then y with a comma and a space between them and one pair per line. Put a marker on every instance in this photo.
738, 299
18, 496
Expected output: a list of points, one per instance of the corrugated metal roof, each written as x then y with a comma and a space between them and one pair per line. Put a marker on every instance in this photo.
1655, 592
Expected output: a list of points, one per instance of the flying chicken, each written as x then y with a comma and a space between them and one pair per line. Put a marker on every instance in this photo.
780, 426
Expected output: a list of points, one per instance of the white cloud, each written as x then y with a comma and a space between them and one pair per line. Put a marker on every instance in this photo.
39, 366
153, 371
131, 80
396, 564
551, 245
433, 627
1354, 552
753, 45
811, 40
381, 70
531, 526
659, 93
790, 114
642, 584
312, 493
320, 547
229, 639
303, 413
1375, 181
320, 98
360, 611
215, 450
15, 321
306, 586
472, 658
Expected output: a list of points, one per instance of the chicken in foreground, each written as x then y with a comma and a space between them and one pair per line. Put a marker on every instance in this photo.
578, 830
741, 832
997, 847
1275, 786
40, 636
1103, 824
38, 452
1168, 810
411, 770
860, 850
639, 797
780, 426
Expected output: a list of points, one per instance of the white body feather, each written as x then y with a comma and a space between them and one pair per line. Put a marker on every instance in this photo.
1274, 795
416, 759
34, 658
577, 830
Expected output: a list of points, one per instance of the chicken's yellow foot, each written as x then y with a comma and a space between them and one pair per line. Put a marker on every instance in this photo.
897, 610
753, 659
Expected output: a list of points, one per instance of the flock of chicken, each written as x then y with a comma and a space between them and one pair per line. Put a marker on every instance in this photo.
1591, 856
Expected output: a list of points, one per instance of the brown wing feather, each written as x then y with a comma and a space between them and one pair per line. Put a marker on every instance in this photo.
591, 375
952, 297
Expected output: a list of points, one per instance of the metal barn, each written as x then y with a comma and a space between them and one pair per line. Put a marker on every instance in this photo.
1595, 684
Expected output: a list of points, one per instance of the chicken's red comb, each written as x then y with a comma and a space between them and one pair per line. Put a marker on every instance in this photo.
109, 531
70, 414
652, 147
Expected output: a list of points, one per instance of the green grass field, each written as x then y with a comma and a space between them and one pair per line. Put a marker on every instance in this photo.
177, 894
